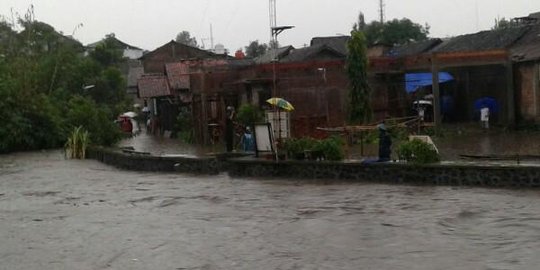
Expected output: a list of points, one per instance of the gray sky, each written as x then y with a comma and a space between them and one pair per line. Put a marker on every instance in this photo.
151, 23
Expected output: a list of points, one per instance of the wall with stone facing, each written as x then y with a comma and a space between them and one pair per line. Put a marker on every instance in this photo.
393, 173
138, 162
399, 173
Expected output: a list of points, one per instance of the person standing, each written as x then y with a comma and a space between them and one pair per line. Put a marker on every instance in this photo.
247, 141
484, 117
229, 129
385, 143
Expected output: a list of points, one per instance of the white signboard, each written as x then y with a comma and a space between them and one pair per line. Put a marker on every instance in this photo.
280, 122
263, 138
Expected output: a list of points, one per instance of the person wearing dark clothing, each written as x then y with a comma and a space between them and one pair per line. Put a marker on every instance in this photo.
229, 129
385, 144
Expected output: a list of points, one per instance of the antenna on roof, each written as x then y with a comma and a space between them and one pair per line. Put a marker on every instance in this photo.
381, 11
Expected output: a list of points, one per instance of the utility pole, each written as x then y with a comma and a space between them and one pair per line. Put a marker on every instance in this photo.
273, 20
381, 11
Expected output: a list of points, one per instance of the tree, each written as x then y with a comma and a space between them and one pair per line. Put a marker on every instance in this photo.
361, 24
504, 24
394, 32
185, 38
254, 49
360, 93
41, 69
108, 52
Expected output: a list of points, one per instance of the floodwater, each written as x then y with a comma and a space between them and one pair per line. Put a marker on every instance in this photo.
71, 214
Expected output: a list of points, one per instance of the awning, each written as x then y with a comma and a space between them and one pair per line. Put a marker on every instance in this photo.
413, 81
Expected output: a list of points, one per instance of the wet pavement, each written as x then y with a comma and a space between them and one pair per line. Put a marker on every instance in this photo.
160, 145
71, 214
457, 141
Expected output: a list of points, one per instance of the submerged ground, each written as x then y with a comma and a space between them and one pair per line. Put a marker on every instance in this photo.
68, 214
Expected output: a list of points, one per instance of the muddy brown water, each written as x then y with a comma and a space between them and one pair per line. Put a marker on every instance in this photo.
70, 214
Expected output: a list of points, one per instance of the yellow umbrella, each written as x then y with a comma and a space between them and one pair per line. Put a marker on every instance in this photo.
281, 103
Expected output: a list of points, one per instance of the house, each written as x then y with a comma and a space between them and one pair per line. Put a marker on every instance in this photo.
525, 54
480, 64
128, 51
154, 61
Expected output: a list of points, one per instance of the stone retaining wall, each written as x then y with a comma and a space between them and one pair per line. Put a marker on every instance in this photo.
139, 162
400, 173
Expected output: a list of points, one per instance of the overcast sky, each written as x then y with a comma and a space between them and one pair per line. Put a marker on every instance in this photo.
151, 23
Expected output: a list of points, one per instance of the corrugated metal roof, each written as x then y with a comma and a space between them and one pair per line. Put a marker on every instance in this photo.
268, 57
482, 41
312, 53
528, 47
178, 75
338, 43
153, 86
414, 48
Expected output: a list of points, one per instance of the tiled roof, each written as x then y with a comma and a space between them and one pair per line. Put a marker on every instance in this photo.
482, 41
269, 55
318, 52
414, 48
338, 43
528, 47
183, 51
178, 75
153, 86
116, 41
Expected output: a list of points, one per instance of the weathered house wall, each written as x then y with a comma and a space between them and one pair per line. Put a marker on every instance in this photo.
528, 94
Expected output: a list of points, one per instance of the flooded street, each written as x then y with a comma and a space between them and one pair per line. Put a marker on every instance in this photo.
65, 214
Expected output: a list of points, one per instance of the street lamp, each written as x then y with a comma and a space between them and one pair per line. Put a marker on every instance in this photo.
276, 30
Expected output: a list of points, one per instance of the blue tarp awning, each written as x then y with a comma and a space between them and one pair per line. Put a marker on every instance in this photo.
413, 81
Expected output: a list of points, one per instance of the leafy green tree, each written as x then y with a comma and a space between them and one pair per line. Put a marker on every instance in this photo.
40, 69
94, 118
108, 52
360, 111
249, 114
185, 38
394, 32
256, 49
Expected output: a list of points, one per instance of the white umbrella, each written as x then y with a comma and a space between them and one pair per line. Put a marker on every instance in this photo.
129, 114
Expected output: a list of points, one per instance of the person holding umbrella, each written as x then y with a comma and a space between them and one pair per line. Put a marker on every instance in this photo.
484, 117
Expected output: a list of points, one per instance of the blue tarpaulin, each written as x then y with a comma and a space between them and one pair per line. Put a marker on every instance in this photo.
413, 81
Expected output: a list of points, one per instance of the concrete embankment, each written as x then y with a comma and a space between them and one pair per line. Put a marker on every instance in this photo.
454, 174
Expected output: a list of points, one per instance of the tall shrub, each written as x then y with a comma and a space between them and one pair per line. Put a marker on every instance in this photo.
359, 110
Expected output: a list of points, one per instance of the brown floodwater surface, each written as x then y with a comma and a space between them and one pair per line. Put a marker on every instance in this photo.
71, 214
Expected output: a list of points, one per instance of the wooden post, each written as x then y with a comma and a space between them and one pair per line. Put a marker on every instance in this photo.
204, 110
536, 86
436, 93
511, 107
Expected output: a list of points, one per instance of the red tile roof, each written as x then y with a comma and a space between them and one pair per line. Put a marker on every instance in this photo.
153, 86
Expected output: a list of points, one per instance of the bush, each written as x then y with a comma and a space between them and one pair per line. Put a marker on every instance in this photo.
248, 114
419, 152
331, 149
97, 120
328, 149
184, 126
296, 148
77, 143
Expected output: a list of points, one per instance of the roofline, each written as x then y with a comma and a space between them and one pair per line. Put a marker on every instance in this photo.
176, 43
